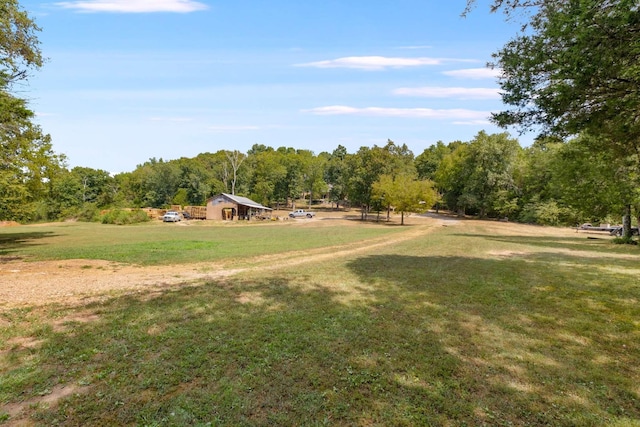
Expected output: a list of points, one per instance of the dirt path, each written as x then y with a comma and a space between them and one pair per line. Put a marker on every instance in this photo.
80, 281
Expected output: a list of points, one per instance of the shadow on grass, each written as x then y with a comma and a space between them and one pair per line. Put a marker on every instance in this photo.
431, 341
543, 331
382, 221
13, 242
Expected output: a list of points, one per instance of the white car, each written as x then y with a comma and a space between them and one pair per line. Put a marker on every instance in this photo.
301, 213
171, 216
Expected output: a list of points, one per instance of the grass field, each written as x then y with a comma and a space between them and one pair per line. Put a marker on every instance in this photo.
476, 323
158, 243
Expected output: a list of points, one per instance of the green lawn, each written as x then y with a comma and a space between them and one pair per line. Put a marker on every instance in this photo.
467, 325
157, 243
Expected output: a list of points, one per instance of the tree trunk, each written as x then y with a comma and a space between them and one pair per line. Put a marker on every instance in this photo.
626, 222
235, 159
402, 218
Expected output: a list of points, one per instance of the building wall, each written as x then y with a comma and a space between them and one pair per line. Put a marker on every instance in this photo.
216, 205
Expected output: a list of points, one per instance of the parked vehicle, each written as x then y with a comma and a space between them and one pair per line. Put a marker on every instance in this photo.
614, 230
617, 231
301, 213
171, 216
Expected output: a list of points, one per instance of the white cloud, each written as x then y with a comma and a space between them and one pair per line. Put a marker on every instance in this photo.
428, 113
474, 73
372, 62
134, 6
449, 92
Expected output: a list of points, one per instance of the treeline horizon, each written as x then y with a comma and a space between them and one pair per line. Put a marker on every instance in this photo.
551, 182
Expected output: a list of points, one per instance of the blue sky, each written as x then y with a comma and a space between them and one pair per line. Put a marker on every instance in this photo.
128, 80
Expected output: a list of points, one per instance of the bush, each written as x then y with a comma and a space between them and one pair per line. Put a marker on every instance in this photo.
122, 217
88, 212
625, 241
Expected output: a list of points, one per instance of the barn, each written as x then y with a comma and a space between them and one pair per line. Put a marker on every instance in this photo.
229, 207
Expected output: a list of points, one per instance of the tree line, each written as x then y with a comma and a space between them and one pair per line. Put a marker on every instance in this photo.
551, 182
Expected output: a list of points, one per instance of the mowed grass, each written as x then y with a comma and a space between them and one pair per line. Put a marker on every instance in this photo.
474, 324
157, 243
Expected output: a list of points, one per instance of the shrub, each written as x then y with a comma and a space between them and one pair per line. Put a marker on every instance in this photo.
625, 241
122, 217
88, 212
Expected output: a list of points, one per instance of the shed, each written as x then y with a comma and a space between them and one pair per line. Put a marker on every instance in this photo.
229, 207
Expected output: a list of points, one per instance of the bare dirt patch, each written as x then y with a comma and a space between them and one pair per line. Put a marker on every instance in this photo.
507, 254
50, 400
78, 281
62, 325
8, 224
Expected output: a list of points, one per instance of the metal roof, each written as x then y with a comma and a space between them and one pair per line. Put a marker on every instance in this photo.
245, 201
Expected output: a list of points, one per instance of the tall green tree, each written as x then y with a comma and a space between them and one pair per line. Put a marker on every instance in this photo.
575, 69
479, 176
367, 165
217, 171
401, 159
540, 199
336, 175
266, 171
428, 161
597, 187
27, 159
194, 184
405, 193
19, 44
96, 185
154, 183
289, 187
313, 171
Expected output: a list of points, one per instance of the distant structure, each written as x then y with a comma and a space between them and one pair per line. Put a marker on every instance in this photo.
228, 207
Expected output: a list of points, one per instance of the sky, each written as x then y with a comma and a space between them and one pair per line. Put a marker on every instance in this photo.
130, 80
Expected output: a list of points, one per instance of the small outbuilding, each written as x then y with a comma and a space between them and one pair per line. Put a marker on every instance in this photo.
228, 207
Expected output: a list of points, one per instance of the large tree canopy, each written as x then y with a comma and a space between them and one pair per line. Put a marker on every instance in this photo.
19, 45
27, 161
575, 68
